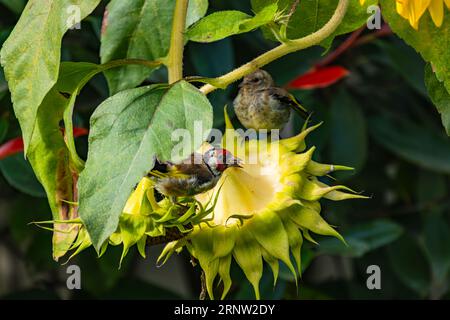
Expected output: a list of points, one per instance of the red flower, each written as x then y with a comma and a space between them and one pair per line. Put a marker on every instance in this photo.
319, 78
15, 145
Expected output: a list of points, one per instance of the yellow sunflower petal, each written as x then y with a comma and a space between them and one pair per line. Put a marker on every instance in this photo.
402, 8
436, 9
412, 10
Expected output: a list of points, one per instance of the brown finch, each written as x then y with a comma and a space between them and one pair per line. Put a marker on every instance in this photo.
195, 175
261, 105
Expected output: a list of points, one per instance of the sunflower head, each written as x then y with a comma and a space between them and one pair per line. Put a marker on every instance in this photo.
262, 211
258, 213
413, 10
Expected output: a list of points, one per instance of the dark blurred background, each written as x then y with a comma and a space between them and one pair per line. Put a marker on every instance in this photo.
378, 119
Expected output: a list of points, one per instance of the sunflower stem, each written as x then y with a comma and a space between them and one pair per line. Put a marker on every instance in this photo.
203, 290
175, 57
281, 50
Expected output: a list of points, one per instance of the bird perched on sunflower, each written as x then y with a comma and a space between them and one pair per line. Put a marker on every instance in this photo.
197, 174
261, 105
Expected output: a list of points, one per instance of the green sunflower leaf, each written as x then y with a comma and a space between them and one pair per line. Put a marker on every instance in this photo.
410, 265
437, 242
128, 131
311, 15
439, 95
222, 24
19, 174
363, 238
31, 55
139, 30
54, 156
409, 141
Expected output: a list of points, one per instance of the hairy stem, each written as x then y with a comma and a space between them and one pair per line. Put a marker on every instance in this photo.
175, 58
282, 50
293, 8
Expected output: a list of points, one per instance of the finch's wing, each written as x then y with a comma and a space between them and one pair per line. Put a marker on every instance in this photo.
166, 170
194, 166
170, 174
191, 166
285, 97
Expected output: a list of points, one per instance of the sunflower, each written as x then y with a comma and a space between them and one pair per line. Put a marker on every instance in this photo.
262, 211
413, 10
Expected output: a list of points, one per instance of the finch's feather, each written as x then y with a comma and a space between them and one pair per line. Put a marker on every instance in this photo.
285, 97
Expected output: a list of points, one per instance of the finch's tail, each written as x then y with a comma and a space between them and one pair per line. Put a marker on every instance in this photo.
302, 112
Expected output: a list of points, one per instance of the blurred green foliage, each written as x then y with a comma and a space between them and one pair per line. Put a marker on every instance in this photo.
379, 120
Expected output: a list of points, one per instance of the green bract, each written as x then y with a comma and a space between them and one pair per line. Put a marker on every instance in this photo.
143, 220
121, 133
263, 211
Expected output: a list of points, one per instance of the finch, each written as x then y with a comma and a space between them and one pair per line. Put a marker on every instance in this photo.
261, 105
197, 174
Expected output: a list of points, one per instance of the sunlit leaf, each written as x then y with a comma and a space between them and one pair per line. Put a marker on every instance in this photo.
31, 55
217, 26
223, 24
128, 131
439, 95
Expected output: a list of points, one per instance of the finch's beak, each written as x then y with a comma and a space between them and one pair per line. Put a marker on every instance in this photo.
235, 162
